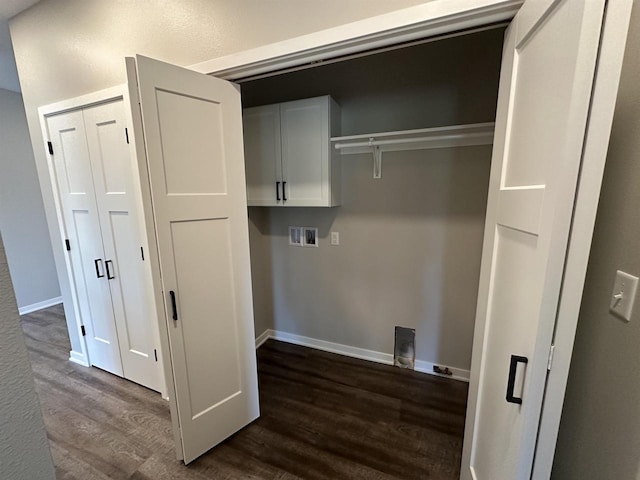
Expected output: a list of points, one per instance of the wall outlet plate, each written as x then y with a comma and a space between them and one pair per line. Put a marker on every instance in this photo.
295, 236
310, 236
623, 295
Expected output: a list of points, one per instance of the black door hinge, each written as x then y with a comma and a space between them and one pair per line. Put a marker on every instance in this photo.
142, 253
67, 244
126, 134
50, 145
84, 333
155, 353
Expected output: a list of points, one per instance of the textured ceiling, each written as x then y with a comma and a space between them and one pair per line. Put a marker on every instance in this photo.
8, 72
9, 8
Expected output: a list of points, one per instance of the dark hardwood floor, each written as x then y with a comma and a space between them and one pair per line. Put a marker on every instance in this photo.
324, 416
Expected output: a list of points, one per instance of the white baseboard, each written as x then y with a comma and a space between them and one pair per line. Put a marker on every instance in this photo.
331, 347
79, 358
456, 373
355, 352
34, 307
263, 337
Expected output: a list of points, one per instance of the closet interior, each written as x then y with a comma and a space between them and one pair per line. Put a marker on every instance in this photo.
408, 147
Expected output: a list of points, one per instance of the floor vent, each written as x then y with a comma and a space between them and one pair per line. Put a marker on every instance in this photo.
404, 352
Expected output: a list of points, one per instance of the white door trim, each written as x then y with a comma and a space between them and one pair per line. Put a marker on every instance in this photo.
90, 99
445, 16
422, 21
603, 101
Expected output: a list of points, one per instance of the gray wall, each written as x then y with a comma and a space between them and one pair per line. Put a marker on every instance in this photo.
66, 48
24, 449
22, 219
599, 435
410, 243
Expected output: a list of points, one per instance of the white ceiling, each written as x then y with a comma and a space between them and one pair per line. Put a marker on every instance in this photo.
8, 71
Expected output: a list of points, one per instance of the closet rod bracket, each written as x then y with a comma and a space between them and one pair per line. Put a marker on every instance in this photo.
377, 159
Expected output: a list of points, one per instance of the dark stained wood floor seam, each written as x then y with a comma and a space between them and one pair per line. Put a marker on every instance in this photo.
323, 416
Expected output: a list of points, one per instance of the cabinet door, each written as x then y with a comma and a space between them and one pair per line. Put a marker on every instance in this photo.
263, 155
80, 214
193, 137
305, 152
125, 273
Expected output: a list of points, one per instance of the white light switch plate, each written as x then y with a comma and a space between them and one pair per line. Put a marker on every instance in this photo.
335, 238
624, 295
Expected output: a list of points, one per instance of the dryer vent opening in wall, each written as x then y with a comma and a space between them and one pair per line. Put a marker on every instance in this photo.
404, 352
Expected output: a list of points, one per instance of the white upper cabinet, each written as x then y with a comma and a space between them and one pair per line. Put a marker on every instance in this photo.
289, 159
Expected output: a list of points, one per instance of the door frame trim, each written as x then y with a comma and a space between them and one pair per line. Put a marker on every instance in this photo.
596, 143
434, 18
445, 16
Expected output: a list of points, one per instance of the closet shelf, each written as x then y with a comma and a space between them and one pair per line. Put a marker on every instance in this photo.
424, 138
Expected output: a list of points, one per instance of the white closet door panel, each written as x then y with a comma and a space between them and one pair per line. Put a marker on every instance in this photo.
207, 342
113, 173
98, 321
305, 151
549, 60
263, 157
193, 134
75, 186
184, 171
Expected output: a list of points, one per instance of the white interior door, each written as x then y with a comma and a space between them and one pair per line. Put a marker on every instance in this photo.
193, 135
73, 172
263, 157
548, 65
124, 268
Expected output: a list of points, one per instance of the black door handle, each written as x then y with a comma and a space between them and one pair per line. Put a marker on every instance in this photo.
95, 262
109, 276
513, 367
278, 191
284, 195
172, 294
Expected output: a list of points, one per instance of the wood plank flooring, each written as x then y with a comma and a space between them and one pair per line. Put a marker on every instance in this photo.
324, 416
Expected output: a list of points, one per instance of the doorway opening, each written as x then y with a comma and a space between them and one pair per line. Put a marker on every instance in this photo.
410, 242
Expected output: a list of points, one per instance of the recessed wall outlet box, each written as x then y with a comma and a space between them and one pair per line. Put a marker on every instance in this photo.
623, 295
295, 236
310, 236
404, 349
335, 238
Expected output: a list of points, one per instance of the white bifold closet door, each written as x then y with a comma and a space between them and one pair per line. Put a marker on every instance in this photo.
94, 172
74, 179
194, 158
548, 65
